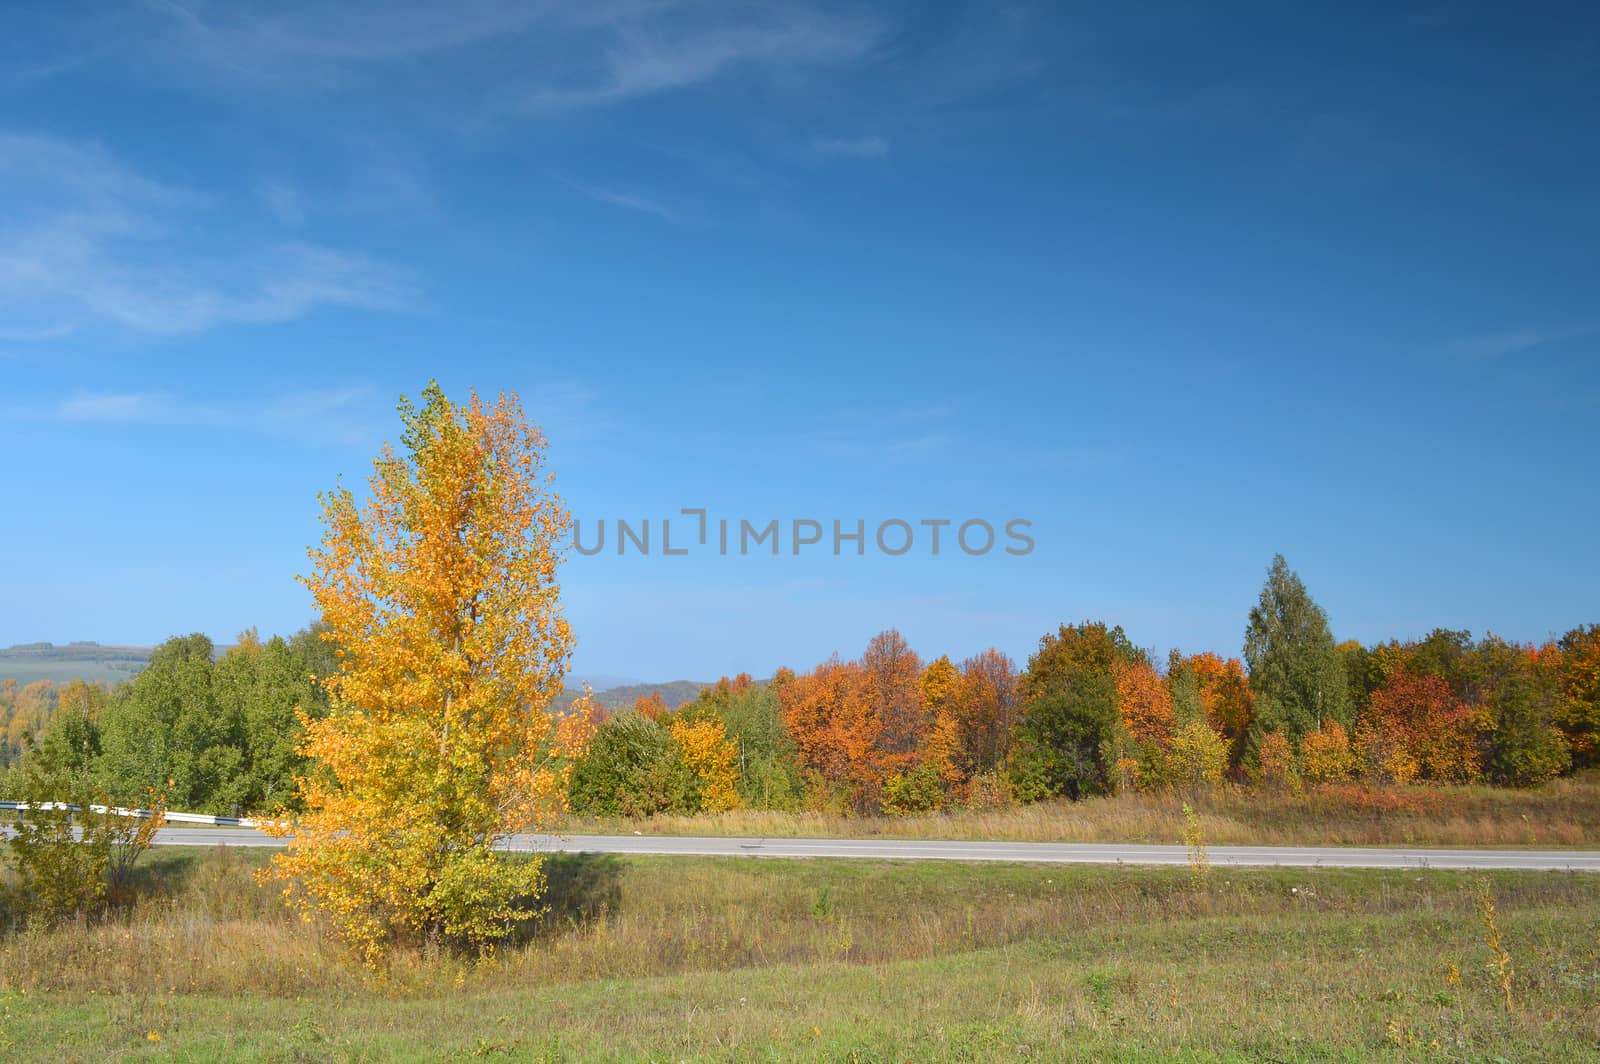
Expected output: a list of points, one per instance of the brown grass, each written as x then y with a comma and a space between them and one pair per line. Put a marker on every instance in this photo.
1565, 812
718, 957
204, 925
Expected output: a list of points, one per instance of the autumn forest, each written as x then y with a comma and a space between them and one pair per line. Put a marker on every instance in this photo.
1090, 713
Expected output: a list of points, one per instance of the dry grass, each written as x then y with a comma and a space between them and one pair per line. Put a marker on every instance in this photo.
736, 959
1565, 812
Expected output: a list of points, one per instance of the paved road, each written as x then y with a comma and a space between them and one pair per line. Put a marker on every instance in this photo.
1041, 852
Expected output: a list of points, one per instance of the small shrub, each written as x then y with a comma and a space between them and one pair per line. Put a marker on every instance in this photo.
1276, 759
1326, 755
1499, 966
1195, 839
917, 791
1199, 756
62, 873
990, 790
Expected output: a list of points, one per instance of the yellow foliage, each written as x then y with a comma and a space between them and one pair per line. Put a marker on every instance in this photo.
1326, 754
941, 749
1399, 764
712, 759
1198, 756
440, 598
941, 682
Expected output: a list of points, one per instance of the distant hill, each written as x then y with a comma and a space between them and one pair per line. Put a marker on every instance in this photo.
27, 662
673, 693
599, 681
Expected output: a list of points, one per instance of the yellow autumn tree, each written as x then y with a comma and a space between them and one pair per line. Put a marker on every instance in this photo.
941, 745
1197, 757
1326, 753
440, 598
712, 759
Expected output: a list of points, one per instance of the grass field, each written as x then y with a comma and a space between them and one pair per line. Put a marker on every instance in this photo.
1565, 812
691, 958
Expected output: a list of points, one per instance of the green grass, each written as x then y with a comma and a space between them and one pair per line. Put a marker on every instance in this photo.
735, 959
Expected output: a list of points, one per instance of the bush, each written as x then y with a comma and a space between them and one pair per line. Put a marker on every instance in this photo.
1326, 755
770, 783
1198, 756
990, 790
632, 768
1526, 747
1275, 760
61, 875
917, 791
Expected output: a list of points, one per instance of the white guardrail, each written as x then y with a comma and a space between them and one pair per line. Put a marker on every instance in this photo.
146, 814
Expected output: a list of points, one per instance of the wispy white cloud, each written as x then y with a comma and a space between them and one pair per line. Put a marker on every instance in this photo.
38, 334
304, 46
82, 170
116, 408
607, 50
626, 200
89, 238
567, 410
851, 147
648, 49
1515, 341
283, 201
909, 430
334, 415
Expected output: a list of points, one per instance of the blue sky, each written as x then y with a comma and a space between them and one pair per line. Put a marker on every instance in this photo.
1182, 288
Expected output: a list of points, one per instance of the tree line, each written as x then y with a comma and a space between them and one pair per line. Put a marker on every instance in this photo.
1090, 713
211, 734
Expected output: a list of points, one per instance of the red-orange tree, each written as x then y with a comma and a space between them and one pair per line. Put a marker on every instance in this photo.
650, 706
1416, 727
894, 675
987, 709
439, 594
1226, 697
1145, 704
832, 714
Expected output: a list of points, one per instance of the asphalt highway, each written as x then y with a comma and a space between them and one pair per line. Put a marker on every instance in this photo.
1038, 852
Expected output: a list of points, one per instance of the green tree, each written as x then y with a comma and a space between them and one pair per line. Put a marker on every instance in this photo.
1295, 669
1579, 716
769, 765
1090, 647
1452, 657
1363, 671
171, 726
1066, 738
1521, 690
69, 748
632, 767
263, 685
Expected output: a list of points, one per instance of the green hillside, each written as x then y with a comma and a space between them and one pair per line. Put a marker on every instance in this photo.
27, 662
